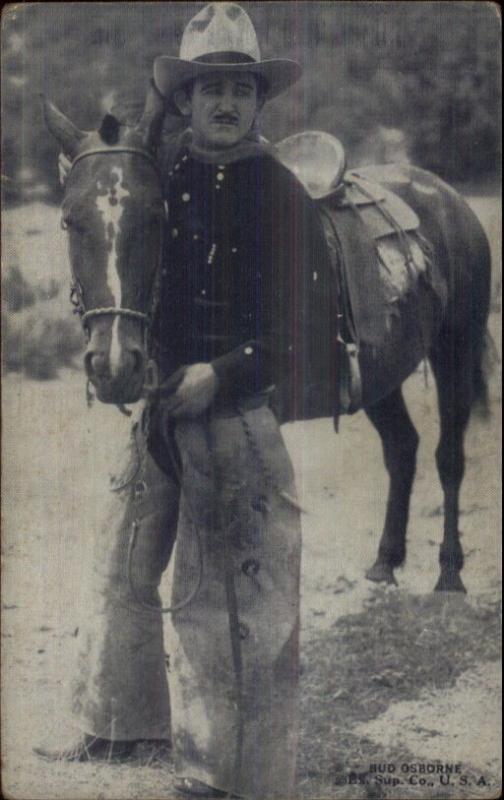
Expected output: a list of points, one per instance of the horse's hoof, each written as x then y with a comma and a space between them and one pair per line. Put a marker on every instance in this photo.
381, 573
451, 582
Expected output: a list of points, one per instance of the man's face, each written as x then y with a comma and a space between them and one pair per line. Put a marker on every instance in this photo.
222, 108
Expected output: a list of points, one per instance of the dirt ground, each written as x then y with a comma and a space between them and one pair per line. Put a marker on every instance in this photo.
393, 680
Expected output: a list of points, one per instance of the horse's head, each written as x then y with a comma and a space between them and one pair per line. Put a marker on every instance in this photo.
114, 213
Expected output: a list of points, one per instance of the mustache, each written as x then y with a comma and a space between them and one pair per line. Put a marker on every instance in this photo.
230, 119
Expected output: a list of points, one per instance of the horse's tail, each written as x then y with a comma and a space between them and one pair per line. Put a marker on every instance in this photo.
484, 362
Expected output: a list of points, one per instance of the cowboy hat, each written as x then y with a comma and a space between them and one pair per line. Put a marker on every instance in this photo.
221, 38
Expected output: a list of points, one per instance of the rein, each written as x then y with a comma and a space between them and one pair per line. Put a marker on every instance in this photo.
76, 291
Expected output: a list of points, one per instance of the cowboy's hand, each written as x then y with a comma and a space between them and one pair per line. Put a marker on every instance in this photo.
64, 165
194, 388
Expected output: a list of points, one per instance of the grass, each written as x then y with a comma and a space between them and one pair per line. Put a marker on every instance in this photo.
398, 647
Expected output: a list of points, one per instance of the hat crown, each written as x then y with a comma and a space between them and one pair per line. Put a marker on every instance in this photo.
220, 28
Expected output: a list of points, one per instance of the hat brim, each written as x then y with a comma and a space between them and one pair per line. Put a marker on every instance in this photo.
171, 73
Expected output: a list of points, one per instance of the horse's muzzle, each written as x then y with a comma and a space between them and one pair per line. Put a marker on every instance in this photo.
121, 382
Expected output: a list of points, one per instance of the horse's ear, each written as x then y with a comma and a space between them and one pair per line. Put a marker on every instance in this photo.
64, 131
150, 124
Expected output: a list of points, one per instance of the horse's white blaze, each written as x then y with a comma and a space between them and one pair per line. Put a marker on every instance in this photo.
115, 348
111, 208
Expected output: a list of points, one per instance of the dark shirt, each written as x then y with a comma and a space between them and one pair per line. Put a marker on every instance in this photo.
246, 279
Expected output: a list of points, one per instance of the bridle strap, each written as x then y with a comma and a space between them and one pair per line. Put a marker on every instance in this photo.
97, 151
119, 312
76, 291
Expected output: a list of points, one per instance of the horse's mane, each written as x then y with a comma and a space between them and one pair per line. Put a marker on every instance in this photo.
128, 110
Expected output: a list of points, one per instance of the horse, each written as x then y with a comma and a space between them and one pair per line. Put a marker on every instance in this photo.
114, 213
113, 209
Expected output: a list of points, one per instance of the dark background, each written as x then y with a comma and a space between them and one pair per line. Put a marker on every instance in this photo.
424, 75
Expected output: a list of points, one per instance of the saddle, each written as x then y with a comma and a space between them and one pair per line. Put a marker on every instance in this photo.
369, 231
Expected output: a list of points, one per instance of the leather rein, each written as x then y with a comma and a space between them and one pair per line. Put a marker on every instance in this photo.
76, 290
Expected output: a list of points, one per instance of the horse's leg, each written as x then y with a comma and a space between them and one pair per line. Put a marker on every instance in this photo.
400, 441
453, 380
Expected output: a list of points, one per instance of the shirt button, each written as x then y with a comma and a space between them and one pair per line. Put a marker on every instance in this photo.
174, 233
234, 249
195, 237
186, 197
248, 351
220, 176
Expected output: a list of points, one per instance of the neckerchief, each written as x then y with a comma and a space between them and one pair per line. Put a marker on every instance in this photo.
251, 146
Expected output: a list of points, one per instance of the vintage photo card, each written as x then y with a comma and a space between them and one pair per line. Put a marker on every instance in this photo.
251, 400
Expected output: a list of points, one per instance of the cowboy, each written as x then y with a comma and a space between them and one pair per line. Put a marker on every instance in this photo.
245, 271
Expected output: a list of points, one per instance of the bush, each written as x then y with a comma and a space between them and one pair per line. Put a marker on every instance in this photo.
41, 337
16, 293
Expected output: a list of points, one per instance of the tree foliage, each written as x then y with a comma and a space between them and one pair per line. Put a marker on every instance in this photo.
431, 69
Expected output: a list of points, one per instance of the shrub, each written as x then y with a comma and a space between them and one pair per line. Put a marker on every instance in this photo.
16, 292
41, 338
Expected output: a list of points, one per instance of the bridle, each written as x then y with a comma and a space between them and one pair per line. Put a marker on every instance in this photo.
76, 290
